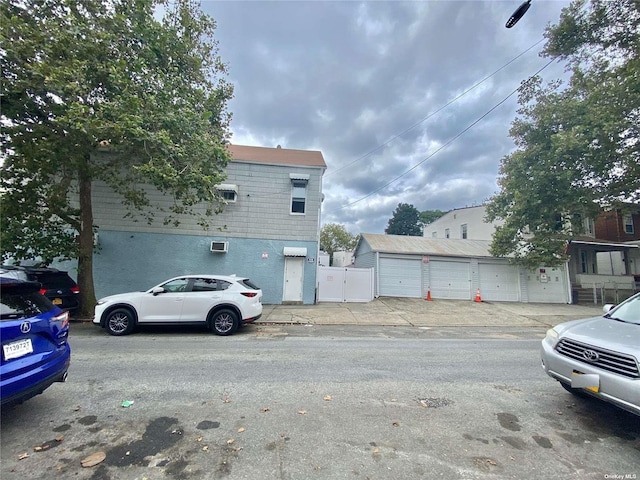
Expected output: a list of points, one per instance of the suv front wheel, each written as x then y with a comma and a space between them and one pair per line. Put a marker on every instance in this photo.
119, 322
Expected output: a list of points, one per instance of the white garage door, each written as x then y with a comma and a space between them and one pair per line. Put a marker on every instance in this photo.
400, 277
450, 280
499, 283
547, 287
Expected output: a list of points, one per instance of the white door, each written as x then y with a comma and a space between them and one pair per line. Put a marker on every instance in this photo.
499, 283
549, 286
203, 295
165, 306
293, 279
450, 280
400, 277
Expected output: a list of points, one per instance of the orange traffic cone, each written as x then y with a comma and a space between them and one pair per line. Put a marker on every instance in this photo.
478, 297
428, 297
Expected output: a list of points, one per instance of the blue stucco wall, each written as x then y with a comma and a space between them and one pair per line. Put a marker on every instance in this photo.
129, 261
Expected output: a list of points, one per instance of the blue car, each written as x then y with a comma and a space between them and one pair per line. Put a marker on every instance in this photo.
34, 333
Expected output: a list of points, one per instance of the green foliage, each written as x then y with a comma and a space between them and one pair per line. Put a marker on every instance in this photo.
405, 221
336, 238
430, 216
104, 91
578, 146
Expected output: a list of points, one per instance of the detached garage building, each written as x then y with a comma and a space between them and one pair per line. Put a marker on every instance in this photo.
454, 269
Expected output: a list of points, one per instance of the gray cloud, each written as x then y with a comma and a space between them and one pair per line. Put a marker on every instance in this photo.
347, 77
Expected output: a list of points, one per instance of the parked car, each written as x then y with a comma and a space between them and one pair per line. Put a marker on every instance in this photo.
34, 332
599, 356
223, 303
57, 285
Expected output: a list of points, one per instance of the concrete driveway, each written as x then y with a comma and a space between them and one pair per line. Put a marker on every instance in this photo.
387, 311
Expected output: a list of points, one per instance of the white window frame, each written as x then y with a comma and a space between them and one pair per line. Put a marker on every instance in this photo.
228, 190
447, 233
628, 224
463, 231
298, 195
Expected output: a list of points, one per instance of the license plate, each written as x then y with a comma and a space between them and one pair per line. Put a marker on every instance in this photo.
57, 301
17, 349
590, 381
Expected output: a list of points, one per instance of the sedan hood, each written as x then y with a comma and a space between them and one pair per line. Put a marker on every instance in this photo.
604, 333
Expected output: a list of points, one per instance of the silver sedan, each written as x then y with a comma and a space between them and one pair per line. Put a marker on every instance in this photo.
599, 356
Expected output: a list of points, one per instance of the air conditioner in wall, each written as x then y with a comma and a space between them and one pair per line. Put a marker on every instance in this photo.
219, 247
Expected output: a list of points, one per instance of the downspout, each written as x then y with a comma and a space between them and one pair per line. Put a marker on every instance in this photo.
377, 274
570, 294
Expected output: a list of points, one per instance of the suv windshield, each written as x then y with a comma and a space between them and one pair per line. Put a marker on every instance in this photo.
628, 311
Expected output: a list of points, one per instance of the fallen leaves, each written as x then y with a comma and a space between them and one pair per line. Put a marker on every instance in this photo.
93, 459
327, 398
302, 412
23, 455
241, 429
265, 409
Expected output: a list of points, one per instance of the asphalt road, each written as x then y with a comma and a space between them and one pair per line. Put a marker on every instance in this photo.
296, 402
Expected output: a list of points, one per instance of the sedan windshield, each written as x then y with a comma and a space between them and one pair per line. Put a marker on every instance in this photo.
628, 311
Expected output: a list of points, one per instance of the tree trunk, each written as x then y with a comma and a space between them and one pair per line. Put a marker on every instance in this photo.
85, 253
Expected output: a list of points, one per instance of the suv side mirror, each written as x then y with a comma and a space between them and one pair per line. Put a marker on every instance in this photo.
157, 290
608, 307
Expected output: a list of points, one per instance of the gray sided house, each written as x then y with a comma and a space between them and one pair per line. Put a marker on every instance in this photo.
268, 231
454, 269
599, 269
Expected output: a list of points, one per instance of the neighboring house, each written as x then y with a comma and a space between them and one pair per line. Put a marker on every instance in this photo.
269, 230
342, 259
598, 267
462, 223
454, 269
617, 226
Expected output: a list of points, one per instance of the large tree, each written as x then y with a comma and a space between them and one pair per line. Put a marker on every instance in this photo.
105, 91
430, 216
578, 145
405, 221
335, 238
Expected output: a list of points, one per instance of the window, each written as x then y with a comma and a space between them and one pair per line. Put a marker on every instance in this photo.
229, 196
584, 262
177, 285
589, 226
463, 231
228, 191
447, 233
209, 285
298, 196
628, 224
434, 234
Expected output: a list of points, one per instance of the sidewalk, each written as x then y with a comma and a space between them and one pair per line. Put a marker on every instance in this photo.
412, 312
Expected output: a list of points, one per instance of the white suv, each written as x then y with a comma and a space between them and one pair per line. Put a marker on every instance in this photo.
221, 302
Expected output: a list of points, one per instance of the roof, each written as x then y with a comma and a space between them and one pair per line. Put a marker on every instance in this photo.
427, 246
277, 156
602, 243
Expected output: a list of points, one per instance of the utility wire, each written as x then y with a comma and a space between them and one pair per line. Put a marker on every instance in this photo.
448, 143
434, 112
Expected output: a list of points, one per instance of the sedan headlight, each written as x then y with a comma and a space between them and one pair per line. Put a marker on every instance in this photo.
552, 337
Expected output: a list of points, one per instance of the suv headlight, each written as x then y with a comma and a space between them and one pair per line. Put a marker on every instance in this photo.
552, 337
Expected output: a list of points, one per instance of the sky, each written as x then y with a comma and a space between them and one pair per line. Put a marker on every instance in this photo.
409, 102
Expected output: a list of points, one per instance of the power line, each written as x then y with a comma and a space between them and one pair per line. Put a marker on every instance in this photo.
434, 112
447, 143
